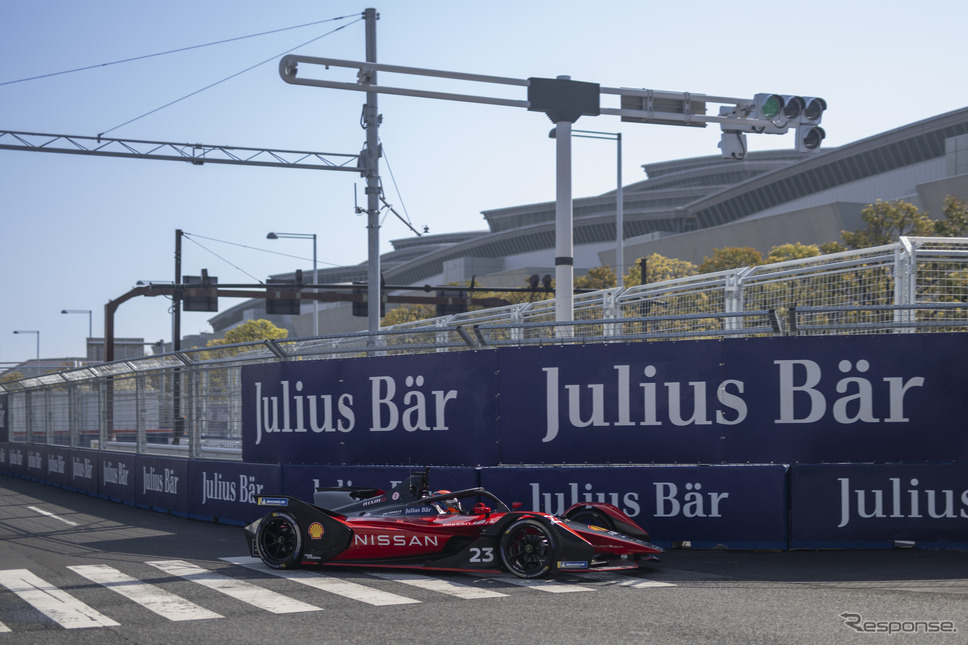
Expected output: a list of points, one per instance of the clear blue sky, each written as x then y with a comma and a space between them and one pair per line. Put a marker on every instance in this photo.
80, 231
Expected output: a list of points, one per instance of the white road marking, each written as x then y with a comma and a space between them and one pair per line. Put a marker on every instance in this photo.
550, 586
163, 603
58, 605
238, 589
643, 584
441, 586
327, 583
52, 515
71, 613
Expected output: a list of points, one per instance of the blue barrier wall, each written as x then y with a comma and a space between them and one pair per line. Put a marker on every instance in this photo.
840, 505
761, 400
735, 506
732, 506
820, 442
707, 506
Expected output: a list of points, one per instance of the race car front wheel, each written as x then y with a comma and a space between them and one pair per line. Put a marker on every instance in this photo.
528, 549
279, 541
592, 517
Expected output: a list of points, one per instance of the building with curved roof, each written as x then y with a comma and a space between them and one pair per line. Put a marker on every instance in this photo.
684, 209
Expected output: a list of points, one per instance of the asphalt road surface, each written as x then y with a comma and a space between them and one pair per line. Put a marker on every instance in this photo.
76, 569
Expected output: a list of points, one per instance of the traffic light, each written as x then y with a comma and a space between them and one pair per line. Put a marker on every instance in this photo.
360, 307
456, 302
814, 109
281, 301
809, 133
780, 109
785, 111
809, 137
200, 292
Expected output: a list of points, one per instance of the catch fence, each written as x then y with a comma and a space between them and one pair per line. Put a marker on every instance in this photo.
188, 403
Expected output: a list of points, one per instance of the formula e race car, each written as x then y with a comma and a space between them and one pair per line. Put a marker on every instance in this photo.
465, 530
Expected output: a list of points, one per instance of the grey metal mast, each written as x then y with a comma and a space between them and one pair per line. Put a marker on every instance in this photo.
371, 157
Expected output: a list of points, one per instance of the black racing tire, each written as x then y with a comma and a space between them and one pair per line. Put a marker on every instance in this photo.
592, 517
528, 549
279, 541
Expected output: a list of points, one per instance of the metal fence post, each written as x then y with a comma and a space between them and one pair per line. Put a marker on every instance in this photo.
73, 414
192, 423
141, 430
905, 282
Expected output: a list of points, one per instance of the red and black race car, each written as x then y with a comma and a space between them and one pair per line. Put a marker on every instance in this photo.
465, 530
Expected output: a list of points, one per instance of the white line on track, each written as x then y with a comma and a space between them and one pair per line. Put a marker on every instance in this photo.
327, 583
643, 584
52, 515
238, 589
59, 606
550, 586
441, 586
163, 603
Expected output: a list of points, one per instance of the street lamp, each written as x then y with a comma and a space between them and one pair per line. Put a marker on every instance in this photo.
619, 201
90, 318
305, 236
32, 331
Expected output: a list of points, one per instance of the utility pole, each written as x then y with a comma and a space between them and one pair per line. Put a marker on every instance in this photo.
176, 296
371, 163
176, 385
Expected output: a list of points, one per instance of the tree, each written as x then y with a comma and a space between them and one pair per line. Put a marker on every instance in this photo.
659, 268
832, 247
731, 257
955, 222
886, 221
795, 251
411, 312
251, 330
597, 278
414, 312
11, 376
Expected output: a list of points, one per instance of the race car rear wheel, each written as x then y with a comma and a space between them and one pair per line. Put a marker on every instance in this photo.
528, 549
279, 541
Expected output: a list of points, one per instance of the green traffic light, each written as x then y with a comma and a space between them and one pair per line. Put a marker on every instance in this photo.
772, 106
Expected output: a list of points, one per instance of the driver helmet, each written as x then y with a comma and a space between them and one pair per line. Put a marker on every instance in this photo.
447, 506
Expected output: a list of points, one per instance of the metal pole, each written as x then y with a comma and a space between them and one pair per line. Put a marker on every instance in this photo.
619, 219
315, 290
176, 296
90, 318
372, 166
564, 247
178, 421
32, 331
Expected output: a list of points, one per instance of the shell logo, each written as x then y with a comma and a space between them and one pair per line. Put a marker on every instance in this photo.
315, 530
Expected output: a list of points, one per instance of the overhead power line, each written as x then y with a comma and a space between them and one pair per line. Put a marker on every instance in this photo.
171, 51
210, 86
